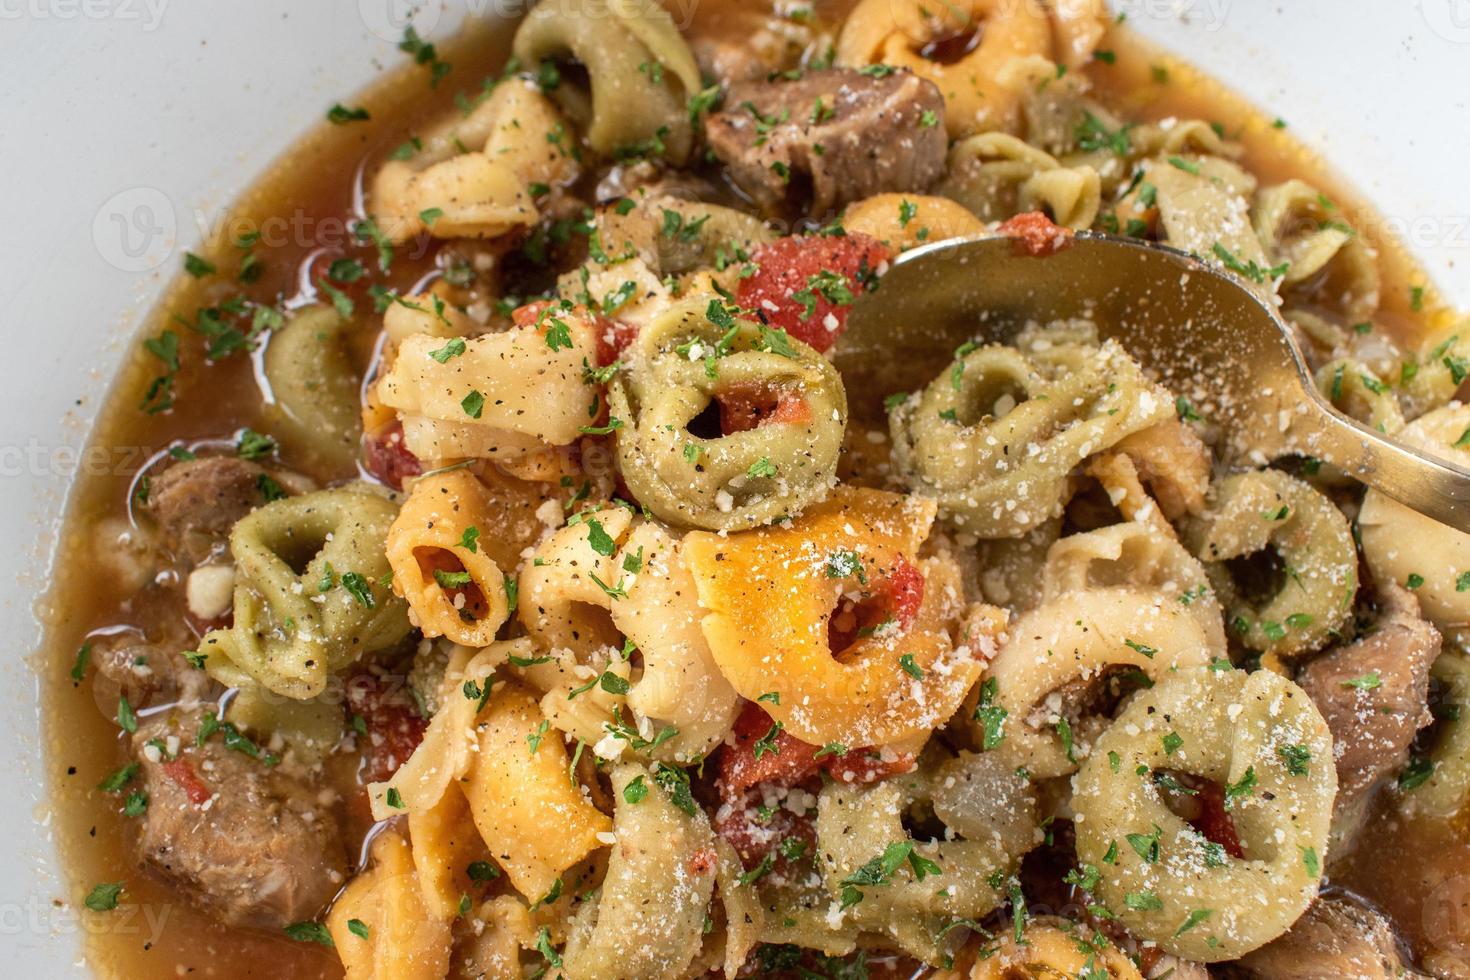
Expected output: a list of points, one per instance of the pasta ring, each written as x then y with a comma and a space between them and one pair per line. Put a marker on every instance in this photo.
900, 32
743, 478
281, 637
645, 590
771, 593
995, 443
430, 553
1269, 509
990, 819
1075, 637
1399, 542
1159, 875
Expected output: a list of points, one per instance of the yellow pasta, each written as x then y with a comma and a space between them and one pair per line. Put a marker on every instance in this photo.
894, 32
477, 172
445, 843
633, 573
1052, 947
453, 587
771, 593
405, 940
448, 748
906, 220
499, 396
518, 786
1303, 230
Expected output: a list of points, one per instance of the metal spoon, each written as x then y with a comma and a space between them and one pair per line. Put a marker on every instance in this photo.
1205, 335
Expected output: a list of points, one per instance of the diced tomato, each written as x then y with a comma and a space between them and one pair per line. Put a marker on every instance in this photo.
792, 761
702, 861
394, 726
898, 594
182, 773
613, 336
1213, 820
748, 406
793, 288
387, 458
1036, 235
755, 832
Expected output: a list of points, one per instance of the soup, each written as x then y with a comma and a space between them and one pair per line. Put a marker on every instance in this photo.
505, 586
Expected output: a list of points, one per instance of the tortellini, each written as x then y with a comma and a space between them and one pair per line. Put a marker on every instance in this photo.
1303, 230
907, 220
609, 567
657, 249
1357, 392
772, 592
997, 175
989, 815
647, 920
314, 388
1164, 879
1402, 545
1203, 208
531, 813
499, 395
995, 442
895, 32
1447, 790
453, 586
310, 595
474, 177
640, 71
1309, 597
772, 450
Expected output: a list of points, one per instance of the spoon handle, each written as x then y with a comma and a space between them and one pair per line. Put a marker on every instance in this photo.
1421, 482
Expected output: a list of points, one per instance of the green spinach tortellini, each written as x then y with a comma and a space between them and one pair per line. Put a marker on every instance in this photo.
728, 425
310, 592
995, 439
1311, 593
989, 816
1260, 738
314, 389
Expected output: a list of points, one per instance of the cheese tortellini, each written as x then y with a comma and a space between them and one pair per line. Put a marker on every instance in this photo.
725, 424
310, 596
1260, 737
994, 441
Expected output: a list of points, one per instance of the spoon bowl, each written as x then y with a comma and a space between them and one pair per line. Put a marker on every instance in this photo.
1208, 336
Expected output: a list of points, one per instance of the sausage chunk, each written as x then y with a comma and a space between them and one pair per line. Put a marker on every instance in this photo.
254, 846
1374, 694
1336, 938
845, 133
196, 502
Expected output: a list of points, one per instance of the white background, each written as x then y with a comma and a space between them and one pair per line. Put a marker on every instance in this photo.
174, 104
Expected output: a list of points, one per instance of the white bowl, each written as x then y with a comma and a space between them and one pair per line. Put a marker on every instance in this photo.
128, 123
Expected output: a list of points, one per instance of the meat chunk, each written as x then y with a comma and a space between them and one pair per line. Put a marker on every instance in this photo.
1336, 938
846, 133
252, 845
1374, 694
146, 673
197, 501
